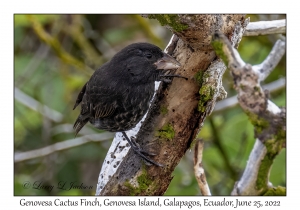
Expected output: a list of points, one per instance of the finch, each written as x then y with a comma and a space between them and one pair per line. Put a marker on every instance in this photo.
118, 94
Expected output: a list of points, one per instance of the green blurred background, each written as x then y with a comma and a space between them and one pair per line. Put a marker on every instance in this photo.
54, 55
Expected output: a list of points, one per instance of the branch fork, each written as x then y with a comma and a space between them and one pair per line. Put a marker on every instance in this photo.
267, 118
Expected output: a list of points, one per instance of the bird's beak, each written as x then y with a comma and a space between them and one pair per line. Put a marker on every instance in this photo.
167, 62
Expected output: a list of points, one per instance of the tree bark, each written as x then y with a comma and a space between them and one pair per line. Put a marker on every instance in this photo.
178, 110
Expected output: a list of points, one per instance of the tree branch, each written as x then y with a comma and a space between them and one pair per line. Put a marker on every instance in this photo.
266, 27
198, 168
33, 104
67, 144
267, 118
266, 67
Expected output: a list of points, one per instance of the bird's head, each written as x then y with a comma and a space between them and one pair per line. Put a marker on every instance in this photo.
141, 60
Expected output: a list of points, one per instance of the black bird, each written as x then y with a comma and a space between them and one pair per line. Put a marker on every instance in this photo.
118, 94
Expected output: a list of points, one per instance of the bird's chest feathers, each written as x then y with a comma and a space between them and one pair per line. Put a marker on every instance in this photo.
138, 96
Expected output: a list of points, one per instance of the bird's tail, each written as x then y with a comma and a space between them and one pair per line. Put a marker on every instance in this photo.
78, 125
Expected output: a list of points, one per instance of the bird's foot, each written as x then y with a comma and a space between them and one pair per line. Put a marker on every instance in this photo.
136, 148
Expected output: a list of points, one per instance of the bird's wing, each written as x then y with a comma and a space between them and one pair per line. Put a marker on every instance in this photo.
102, 101
96, 102
80, 96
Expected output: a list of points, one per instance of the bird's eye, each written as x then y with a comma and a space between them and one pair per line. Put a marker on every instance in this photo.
148, 56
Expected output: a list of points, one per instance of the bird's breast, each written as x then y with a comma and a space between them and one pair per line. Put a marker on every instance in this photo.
132, 107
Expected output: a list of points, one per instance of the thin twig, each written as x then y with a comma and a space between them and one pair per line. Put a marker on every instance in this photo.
266, 27
198, 168
33, 104
67, 144
266, 67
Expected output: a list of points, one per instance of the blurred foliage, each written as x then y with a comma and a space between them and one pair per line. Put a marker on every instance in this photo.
53, 71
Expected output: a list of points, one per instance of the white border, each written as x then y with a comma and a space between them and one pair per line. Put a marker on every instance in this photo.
8, 8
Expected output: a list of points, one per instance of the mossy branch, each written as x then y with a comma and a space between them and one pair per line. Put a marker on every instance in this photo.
171, 20
276, 191
268, 120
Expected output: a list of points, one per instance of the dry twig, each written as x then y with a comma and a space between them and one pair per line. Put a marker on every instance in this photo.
198, 168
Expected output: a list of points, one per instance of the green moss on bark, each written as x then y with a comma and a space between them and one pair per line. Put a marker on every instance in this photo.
163, 110
273, 143
199, 77
258, 122
145, 184
206, 94
263, 173
206, 90
276, 191
171, 20
218, 47
166, 132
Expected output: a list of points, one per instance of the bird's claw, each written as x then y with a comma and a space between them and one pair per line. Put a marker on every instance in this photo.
136, 148
166, 80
